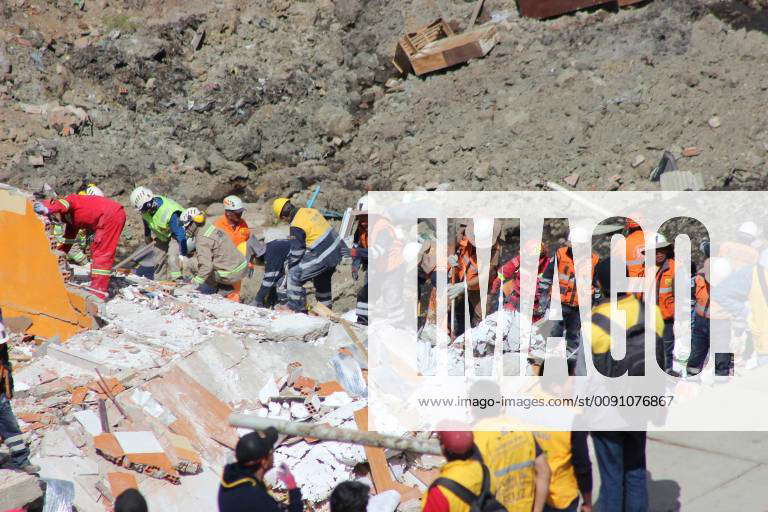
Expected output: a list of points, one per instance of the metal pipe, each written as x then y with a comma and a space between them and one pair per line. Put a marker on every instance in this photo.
342, 435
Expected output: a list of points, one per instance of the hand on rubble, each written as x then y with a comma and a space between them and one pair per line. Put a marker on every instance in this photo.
284, 475
455, 290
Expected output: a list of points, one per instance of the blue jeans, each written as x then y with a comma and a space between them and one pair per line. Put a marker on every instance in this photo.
700, 342
621, 461
11, 434
573, 507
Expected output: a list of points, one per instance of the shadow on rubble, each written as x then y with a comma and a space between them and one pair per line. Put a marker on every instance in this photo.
663, 495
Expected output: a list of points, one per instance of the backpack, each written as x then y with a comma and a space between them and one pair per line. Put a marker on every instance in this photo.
485, 502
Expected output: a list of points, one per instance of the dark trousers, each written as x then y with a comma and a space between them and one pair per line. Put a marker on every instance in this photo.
700, 343
572, 507
666, 352
11, 434
621, 461
570, 326
297, 295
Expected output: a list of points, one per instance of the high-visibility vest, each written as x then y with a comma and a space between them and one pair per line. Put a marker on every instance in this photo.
238, 234
702, 296
468, 473
566, 274
160, 221
563, 487
635, 253
665, 288
312, 223
738, 255
467, 268
510, 457
394, 246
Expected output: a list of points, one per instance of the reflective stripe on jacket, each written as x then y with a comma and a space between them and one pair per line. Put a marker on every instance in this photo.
217, 254
566, 274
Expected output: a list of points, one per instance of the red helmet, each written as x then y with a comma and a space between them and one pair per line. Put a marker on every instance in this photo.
457, 442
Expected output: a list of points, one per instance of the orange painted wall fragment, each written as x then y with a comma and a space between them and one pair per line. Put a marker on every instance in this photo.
30, 282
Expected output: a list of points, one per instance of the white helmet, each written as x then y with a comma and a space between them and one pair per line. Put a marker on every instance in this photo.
233, 204
749, 228
661, 241
141, 196
191, 215
93, 190
362, 205
579, 235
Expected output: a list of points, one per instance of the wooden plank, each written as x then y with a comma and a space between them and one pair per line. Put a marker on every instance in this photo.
475, 14
380, 474
548, 8
325, 312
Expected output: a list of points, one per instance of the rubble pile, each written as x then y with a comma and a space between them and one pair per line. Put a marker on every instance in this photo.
145, 400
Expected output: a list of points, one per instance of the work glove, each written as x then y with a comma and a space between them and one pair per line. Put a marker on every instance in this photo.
455, 290
284, 475
40, 208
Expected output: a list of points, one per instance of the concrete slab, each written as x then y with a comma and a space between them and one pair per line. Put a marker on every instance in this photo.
17, 489
747, 492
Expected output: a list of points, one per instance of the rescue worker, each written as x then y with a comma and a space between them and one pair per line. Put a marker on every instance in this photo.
315, 253
466, 273
78, 253
233, 224
359, 254
741, 251
10, 433
520, 473
272, 256
665, 297
103, 217
462, 467
635, 248
218, 265
705, 325
242, 486
508, 280
570, 325
620, 454
161, 221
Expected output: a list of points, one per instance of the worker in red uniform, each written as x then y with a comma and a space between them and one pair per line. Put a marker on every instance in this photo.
98, 215
508, 280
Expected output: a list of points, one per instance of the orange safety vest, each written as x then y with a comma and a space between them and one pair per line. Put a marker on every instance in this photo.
467, 268
665, 289
566, 274
635, 253
702, 296
237, 234
395, 249
738, 255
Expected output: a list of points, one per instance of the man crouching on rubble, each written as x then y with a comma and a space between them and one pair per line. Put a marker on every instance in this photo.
9, 427
242, 485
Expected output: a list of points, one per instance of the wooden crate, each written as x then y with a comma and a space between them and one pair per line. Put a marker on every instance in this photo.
436, 47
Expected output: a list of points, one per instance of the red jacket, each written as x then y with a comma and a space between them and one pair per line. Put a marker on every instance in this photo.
510, 272
81, 212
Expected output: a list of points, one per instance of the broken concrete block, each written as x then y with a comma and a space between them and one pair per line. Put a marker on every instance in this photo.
90, 421
297, 328
17, 489
57, 443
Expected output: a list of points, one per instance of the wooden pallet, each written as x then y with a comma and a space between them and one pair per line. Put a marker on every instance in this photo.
541, 9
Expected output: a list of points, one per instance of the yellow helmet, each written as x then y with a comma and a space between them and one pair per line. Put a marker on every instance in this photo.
278, 205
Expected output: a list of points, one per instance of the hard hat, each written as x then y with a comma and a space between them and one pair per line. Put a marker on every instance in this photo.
141, 196
191, 215
661, 241
254, 446
233, 204
483, 228
93, 190
278, 205
579, 235
362, 205
749, 228
457, 442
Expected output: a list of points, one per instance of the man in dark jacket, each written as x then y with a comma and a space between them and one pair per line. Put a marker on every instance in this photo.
273, 256
242, 485
9, 428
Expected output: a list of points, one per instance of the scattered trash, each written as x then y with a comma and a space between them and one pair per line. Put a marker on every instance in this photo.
59, 495
572, 180
36, 160
435, 46
666, 164
197, 41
